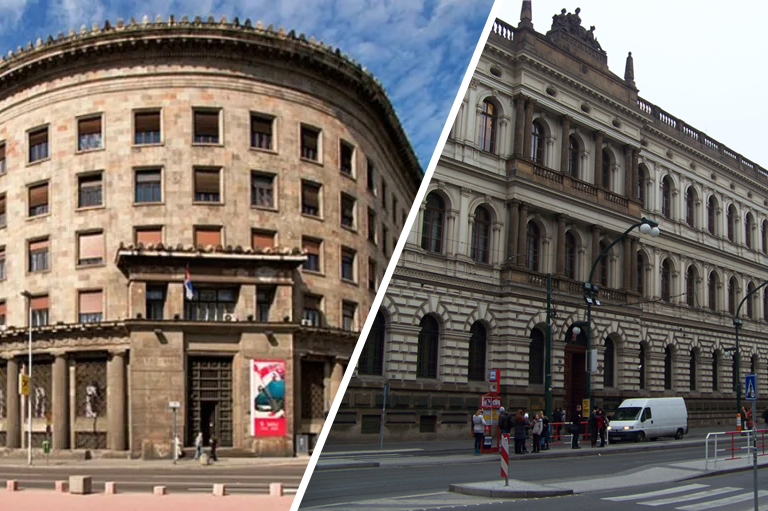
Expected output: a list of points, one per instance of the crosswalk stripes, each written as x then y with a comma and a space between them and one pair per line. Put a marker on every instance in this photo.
657, 493
680, 495
692, 496
723, 502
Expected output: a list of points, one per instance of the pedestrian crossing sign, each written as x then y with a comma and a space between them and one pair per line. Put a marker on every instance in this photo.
750, 387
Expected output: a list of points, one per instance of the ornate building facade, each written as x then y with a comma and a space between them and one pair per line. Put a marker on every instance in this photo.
550, 159
197, 211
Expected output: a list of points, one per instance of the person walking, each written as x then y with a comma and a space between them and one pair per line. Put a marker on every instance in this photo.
478, 430
601, 425
557, 419
198, 445
575, 427
527, 430
537, 429
520, 433
545, 435
214, 442
592, 423
505, 421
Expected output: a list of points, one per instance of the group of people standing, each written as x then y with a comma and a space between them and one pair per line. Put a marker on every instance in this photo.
538, 427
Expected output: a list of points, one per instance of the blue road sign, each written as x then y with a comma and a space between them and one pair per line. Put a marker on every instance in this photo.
750, 387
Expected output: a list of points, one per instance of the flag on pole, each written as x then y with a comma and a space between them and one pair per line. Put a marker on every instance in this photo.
189, 291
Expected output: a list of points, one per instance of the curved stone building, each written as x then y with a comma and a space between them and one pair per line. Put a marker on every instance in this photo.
195, 212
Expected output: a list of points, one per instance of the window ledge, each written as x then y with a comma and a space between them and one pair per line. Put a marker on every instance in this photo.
348, 176
88, 266
317, 162
347, 228
350, 282
38, 272
139, 146
207, 144
318, 273
265, 208
161, 203
207, 203
94, 150
38, 217
313, 217
91, 208
37, 162
262, 150
3, 226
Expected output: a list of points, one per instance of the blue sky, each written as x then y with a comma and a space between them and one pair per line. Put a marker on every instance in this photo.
419, 49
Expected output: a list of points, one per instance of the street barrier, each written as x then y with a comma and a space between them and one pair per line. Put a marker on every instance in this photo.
740, 445
505, 458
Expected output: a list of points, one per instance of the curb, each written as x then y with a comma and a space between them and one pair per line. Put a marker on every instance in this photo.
507, 493
342, 466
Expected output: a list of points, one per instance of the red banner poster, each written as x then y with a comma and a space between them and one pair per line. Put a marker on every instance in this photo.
268, 398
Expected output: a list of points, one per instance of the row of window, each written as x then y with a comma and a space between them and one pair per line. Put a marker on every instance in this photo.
207, 304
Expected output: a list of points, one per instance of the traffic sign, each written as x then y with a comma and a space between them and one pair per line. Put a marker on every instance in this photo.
23, 385
174, 405
750, 387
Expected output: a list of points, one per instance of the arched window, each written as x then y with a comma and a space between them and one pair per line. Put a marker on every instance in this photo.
533, 238
748, 230
715, 373
432, 229
608, 362
764, 237
666, 197
606, 181
481, 235
603, 266
536, 357
429, 341
690, 285
537, 143
690, 203
488, 127
573, 157
641, 366
713, 291
372, 358
692, 370
642, 176
477, 343
640, 274
668, 368
731, 217
750, 301
711, 209
733, 290
666, 280
570, 256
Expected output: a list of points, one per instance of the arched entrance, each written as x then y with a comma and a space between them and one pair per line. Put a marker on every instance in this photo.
575, 371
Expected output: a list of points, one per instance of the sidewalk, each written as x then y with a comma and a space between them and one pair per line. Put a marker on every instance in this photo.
39, 461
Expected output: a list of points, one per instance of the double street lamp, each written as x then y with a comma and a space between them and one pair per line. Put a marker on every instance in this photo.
591, 291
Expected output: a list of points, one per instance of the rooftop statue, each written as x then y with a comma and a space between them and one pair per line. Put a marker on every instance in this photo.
571, 23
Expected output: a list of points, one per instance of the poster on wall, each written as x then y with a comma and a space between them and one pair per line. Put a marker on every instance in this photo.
268, 398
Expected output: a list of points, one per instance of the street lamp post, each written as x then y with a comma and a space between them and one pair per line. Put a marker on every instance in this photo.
591, 291
737, 322
28, 296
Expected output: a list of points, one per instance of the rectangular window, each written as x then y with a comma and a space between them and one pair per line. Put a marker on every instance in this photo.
3, 216
148, 186
310, 198
2, 263
372, 276
348, 315
346, 157
347, 264
262, 239
371, 225
310, 143
39, 306
207, 185
207, 236
38, 144
89, 133
265, 296
90, 307
383, 194
211, 304
206, 126
90, 248
146, 128
347, 211
148, 235
89, 191
3, 311
38, 200
312, 313
155, 301
384, 242
3, 167
262, 190
38, 255
371, 177
313, 249
261, 131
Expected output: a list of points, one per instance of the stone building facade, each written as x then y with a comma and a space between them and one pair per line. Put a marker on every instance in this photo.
267, 167
551, 158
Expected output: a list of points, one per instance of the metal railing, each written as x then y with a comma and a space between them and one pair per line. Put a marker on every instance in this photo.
740, 443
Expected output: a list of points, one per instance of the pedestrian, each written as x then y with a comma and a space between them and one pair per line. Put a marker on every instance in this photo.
575, 427
765, 415
179, 448
520, 432
527, 430
746, 417
593, 426
537, 429
505, 421
478, 430
198, 445
601, 421
545, 435
557, 419
214, 443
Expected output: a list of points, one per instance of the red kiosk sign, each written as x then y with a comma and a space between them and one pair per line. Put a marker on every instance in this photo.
490, 404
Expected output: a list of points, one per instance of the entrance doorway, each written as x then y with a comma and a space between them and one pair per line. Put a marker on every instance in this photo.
209, 409
575, 371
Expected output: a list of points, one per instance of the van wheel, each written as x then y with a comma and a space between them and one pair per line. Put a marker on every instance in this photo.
640, 437
679, 434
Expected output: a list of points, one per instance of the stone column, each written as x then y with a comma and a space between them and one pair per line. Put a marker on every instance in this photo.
628, 171
519, 124
627, 263
521, 234
60, 404
12, 403
560, 250
116, 416
598, 179
464, 245
337, 374
595, 245
495, 255
419, 227
565, 144
450, 234
327, 384
633, 266
502, 144
297, 404
528, 128
512, 226
635, 173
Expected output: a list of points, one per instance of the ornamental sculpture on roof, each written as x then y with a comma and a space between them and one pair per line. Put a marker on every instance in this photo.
571, 23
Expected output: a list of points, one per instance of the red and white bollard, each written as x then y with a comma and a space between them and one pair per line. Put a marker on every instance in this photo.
504, 450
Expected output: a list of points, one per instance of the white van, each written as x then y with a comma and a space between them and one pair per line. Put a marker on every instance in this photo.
638, 419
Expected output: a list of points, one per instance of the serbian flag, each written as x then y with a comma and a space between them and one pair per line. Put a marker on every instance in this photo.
188, 290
